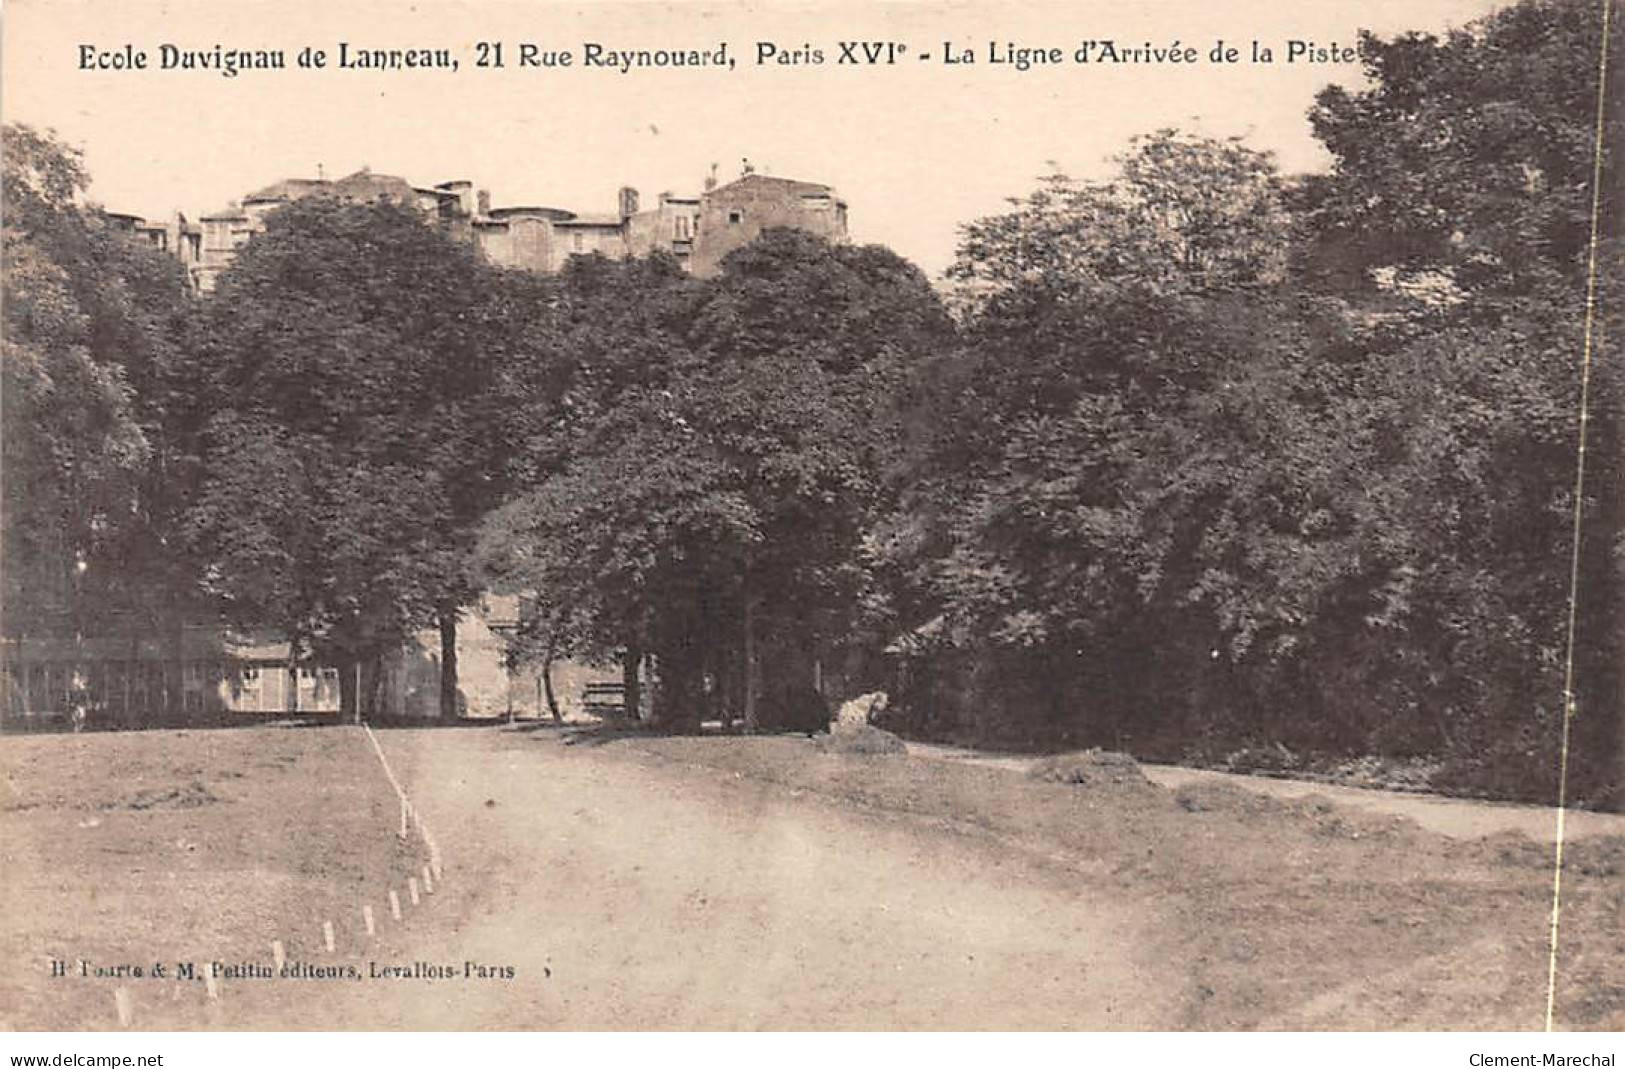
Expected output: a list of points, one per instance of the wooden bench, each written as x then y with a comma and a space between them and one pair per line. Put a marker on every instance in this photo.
604, 700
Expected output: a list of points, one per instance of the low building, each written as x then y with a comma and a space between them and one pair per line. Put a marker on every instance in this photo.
128, 676
137, 678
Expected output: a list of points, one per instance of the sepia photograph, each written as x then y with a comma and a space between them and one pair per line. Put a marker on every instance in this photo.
732, 516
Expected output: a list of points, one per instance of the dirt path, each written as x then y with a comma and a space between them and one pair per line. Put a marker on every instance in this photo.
1458, 818
745, 883
627, 896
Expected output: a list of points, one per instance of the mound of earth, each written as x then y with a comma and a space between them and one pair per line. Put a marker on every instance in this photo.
1601, 855
191, 796
860, 739
1091, 768
1316, 814
1225, 798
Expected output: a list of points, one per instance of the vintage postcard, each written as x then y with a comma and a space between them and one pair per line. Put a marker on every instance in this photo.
734, 516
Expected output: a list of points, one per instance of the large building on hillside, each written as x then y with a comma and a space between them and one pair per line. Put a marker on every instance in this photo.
699, 231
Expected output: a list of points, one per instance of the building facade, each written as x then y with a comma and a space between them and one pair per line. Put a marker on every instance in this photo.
139, 677
698, 230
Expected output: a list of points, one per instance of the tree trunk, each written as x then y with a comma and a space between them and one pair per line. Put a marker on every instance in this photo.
375, 686
546, 675
547, 689
350, 692
751, 669
166, 663
631, 681
721, 686
448, 664
293, 675
129, 670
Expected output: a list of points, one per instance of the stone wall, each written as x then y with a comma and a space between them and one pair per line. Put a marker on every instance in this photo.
734, 215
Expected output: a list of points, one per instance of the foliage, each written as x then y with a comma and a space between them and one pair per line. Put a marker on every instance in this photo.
721, 453
1315, 489
342, 415
93, 320
1205, 458
1479, 392
1183, 213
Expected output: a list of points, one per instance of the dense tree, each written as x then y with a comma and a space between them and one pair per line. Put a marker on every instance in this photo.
1211, 457
1463, 191
93, 322
1182, 214
730, 443
1318, 489
1089, 457
582, 539
344, 422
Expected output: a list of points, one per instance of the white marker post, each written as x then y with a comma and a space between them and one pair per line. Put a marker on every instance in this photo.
394, 904
121, 1003
428, 881
367, 919
327, 935
412, 888
434, 854
278, 955
402, 832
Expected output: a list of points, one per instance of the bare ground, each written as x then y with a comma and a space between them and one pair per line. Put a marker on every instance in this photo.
755, 883
1454, 818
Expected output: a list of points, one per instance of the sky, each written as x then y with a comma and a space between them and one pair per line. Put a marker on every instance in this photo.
916, 147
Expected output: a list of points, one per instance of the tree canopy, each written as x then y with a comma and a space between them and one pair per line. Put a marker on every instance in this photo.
93, 321
1193, 460
723, 487
1317, 489
343, 421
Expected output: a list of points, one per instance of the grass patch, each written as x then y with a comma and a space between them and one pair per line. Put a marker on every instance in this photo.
1293, 913
135, 848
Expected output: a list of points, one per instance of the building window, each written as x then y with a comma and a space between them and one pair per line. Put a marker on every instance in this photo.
577, 242
680, 227
735, 217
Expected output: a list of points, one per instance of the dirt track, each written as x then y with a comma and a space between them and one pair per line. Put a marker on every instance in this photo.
630, 898
1457, 818
713, 883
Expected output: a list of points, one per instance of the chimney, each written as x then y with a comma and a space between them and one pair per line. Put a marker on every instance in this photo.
463, 190
484, 200
628, 202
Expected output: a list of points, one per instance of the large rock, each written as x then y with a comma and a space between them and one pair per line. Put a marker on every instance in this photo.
860, 711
